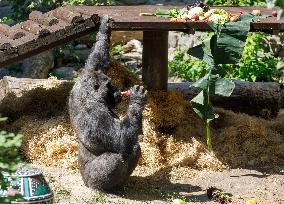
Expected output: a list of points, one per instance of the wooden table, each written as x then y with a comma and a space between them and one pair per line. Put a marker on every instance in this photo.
155, 34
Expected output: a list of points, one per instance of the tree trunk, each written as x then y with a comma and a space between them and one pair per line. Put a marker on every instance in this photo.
253, 98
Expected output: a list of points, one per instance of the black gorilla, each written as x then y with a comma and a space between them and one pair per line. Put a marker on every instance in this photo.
109, 148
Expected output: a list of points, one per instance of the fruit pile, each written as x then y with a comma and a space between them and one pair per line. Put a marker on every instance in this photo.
201, 12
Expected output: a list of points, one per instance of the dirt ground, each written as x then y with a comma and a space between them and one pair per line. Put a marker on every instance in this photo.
241, 184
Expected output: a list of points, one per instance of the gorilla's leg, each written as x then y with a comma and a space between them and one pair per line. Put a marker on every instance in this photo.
134, 158
105, 172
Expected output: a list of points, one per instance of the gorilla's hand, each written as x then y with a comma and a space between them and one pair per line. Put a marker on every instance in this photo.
138, 94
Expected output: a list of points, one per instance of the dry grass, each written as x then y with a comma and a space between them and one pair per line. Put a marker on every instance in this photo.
173, 143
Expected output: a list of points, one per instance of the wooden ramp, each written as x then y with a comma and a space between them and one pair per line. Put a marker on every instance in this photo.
45, 31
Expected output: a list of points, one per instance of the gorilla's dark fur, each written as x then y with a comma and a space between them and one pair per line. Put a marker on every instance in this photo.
109, 148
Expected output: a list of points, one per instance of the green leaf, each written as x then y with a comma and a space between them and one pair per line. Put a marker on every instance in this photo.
224, 87
199, 99
202, 83
202, 108
206, 113
197, 51
162, 13
280, 14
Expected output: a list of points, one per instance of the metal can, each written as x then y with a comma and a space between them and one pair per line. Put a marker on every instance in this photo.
31, 184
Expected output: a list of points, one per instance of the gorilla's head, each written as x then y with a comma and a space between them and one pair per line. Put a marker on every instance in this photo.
106, 90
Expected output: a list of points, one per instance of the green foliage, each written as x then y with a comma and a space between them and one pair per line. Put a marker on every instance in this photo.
115, 49
9, 159
256, 64
236, 2
188, 68
5, 19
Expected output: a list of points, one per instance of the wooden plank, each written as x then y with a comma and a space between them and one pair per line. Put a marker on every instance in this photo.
33, 42
127, 18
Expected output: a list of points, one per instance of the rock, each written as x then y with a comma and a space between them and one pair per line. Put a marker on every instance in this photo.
76, 55
4, 3
133, 46
66, 73
5, 11
131, 56
80, 47
135, 66
282, 98
125, 36
38, 66
281, 54
4, 72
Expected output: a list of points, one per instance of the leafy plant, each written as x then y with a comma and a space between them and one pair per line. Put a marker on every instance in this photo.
256, 64
218, 195
5, 19
115, 49
224, 47
236, 2
9, 160
186, 67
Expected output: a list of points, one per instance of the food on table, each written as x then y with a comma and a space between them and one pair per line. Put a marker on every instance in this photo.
256, 12
201, 12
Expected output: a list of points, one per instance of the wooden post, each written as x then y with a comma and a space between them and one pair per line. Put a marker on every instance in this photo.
155, 59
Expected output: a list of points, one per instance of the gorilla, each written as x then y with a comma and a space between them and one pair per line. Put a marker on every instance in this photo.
108, 146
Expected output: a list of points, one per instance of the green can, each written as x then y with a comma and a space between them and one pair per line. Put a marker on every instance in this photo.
31, 184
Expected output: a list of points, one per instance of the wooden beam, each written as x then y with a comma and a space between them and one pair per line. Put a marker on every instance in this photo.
155, 59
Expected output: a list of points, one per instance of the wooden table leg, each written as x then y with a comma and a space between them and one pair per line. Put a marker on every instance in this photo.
155, 59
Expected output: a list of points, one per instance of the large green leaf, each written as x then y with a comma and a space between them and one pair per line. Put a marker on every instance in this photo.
197, 51
228, 46
280, 14
206, 113
224, 87
202, 108
203, 52
202, 83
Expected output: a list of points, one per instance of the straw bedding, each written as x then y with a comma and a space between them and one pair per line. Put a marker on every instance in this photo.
173, 141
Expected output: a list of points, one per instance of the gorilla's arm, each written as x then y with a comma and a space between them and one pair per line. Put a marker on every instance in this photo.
99, 56
131, 124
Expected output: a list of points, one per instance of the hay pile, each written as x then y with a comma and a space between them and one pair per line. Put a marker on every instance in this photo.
49, 142
173, 141
172, 135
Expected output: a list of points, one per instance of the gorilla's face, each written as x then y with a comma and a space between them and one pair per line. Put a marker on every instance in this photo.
114, 95
108, 92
